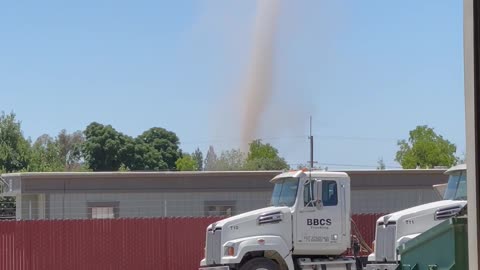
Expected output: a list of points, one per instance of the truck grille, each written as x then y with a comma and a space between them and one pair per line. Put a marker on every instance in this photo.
385, 246
213, 255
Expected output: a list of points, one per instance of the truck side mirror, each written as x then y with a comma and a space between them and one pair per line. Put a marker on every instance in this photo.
317, 193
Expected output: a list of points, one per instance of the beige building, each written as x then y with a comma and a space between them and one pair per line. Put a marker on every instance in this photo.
161, 194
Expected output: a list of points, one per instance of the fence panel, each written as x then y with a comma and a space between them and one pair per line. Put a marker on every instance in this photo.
366, 225
116, 244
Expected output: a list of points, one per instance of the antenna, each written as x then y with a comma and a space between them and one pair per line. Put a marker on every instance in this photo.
311, 160
311, 144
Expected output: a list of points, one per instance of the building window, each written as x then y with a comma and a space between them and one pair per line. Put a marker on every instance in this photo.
103, 210
219, 208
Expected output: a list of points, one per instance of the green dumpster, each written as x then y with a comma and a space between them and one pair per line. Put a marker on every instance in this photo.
443, 247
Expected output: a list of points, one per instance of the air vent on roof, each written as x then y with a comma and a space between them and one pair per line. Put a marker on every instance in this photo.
274, 217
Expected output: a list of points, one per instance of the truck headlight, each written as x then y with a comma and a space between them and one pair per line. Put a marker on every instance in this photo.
230, 250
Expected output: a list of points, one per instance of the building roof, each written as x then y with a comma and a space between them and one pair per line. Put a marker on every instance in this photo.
48, 182
136, 174
169, 174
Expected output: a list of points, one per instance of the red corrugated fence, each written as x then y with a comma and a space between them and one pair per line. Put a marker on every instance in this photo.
113, 244
366, 225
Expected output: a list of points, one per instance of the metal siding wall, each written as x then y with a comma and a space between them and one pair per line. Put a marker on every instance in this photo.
114, 244
192, 204
148, 204
390, 200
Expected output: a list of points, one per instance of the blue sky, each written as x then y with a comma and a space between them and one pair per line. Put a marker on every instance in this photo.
367, 71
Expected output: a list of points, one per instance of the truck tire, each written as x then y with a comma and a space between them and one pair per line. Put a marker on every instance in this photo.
260, 263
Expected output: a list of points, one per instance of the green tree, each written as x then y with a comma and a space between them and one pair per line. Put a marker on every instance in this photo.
70, 149
165, 142
211, 160
45, 155
462, 159
14, 148
231, 160
264, 157
14, 155
425, 149
144, 157
381, 164
105, 149
198, 157
186, 163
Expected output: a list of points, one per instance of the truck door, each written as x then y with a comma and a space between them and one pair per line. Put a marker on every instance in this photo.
321, 227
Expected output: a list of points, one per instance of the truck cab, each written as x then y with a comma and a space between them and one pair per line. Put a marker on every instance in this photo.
306, 225
395, 229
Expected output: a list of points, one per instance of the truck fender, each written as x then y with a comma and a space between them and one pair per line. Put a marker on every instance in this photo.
402, 240
258, 243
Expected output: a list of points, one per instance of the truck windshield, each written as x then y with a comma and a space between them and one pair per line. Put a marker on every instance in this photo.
285, 192
457, 186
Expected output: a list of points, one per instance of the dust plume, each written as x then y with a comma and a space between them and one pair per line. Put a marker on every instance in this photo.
257, 87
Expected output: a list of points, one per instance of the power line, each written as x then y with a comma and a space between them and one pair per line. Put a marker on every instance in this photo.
297, 137
238, 140
356, 165
349, 165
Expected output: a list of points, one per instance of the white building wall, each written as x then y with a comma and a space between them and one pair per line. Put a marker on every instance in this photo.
155, 204
150, 204
388, 201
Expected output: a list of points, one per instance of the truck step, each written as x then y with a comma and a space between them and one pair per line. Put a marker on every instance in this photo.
326, 264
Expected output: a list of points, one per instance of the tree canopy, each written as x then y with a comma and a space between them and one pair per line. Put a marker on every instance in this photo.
425, 149
70, 148
381, 164
45, 155
165, 142
260, 156
14, 148
143, 157
105, 149
102, 148
186, 163
15, 155
198, 157
263, 156
211, 160
231, 160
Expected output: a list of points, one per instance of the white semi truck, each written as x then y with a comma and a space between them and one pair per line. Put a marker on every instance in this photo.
394, 229
307, 226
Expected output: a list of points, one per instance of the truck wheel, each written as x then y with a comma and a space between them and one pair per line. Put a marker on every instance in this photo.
260, 263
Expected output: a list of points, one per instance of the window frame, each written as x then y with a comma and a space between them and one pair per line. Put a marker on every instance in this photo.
326, 191
115, 205
220, 203
310, 203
